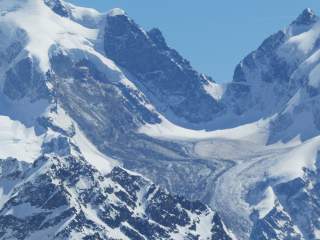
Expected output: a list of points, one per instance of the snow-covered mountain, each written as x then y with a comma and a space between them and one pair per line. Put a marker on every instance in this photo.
61, 101
268, 131
154, 66
86, 95
280, 78
64, 197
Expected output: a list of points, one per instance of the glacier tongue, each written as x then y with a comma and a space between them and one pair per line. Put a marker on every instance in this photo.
271, 126
76, 98
64, 106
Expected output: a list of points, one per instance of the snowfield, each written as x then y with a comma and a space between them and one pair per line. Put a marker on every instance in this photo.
254, 162
73, 92
18, 141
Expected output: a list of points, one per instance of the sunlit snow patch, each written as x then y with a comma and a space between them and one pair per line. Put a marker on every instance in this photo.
255, 132
51, 30
18, 141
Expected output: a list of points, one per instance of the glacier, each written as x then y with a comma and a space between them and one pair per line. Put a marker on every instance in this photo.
99, 117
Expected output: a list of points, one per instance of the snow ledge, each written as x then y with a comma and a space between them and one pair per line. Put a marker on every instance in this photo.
116, 12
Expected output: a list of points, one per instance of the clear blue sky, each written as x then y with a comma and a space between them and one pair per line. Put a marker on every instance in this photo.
214, 35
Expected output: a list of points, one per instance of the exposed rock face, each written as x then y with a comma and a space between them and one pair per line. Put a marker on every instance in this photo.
63, 197
110, 112
24, 80
295, 210
98, 79
276, 225
164, 76
58, 7
60, 193
261, 70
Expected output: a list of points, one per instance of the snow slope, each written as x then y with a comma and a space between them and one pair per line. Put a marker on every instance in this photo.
55, 30
62, 103
18, 141
73, 93
272, 141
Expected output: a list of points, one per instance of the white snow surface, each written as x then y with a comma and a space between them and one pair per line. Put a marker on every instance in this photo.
215, 90
51, 30
253, 132
267, 204
18, 141
314, 77
21, 142
50, 35
99, 160
116, 12
246, 145
85, 16
254, 161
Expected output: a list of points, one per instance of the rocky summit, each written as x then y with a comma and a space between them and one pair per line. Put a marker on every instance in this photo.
106, 132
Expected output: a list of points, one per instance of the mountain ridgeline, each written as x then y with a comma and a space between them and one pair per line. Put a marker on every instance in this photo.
107, 131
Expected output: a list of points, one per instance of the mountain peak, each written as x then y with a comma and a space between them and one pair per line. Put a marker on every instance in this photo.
58, 6
156, 35
116, 12
307, 17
